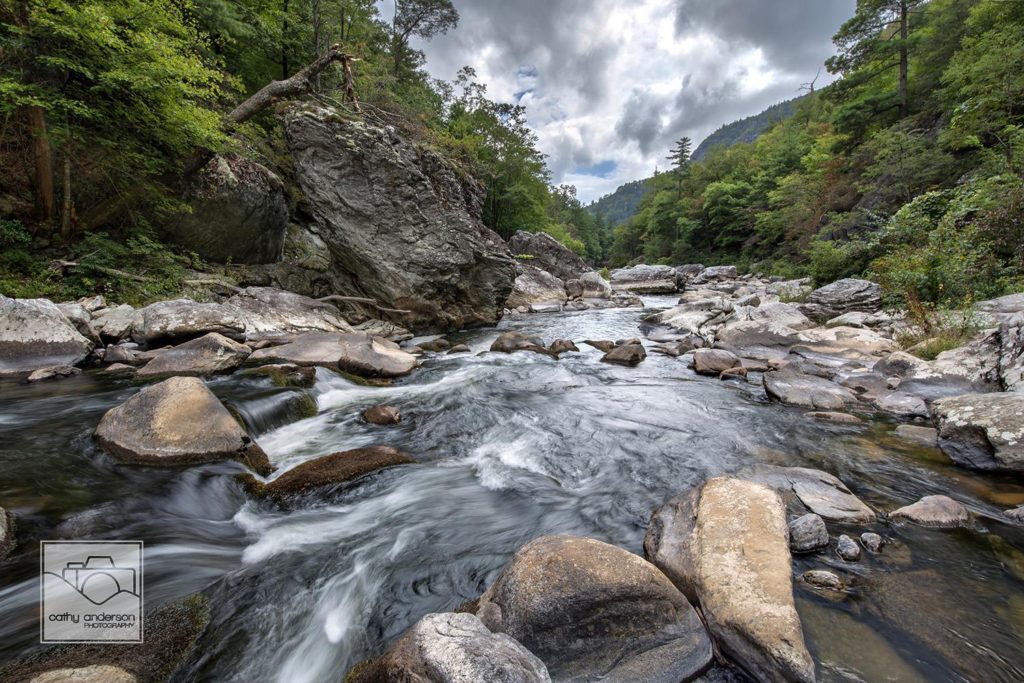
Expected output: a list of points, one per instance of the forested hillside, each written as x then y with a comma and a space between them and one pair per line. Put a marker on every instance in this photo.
748, 129
908, 168
108, 106
620, 205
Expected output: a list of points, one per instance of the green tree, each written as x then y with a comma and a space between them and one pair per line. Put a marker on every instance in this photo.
422, 19
680, 154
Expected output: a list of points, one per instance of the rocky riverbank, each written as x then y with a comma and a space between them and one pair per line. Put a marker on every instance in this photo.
715, 576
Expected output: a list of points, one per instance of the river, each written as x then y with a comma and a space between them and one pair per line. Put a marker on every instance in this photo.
509, 447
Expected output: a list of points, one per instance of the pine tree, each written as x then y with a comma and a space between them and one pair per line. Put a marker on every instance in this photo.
680, 154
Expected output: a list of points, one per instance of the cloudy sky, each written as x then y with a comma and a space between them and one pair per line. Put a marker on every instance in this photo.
609, 85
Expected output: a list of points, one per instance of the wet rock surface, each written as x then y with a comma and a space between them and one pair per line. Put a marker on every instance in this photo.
808, 533
177, 422
983, 431
34, 334
330, 470
726, 546
934, 511
359, 354
592, 611
209, 355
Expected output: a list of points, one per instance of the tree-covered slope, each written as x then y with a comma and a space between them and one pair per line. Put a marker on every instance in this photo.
746, 130
620, 205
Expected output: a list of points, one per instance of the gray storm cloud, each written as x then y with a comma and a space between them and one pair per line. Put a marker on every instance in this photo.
619, 82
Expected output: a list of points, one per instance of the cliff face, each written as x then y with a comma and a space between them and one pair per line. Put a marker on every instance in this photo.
399, 222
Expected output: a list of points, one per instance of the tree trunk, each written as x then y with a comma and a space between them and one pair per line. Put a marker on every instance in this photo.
284, 42
66, 222
904, 59
46, 201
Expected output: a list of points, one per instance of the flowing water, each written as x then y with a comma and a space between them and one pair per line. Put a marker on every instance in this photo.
509, 447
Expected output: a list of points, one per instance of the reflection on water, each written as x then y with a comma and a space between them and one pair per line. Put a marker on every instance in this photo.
508, 448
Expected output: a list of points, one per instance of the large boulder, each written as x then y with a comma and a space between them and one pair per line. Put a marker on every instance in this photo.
265, 311
358, 354
714, 361
726, 545
807, 391
116, 322
536, 288
183, 319
209, 355
329, 470
453, 648
843, 296
177, 422
592, 611
644, 279
401, 222
589, 286
698, 317
630, 355
715, 274
34, 334
238, 214
983, 431
548, 254
1011, 353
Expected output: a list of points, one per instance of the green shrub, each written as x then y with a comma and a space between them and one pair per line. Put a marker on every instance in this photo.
829, 261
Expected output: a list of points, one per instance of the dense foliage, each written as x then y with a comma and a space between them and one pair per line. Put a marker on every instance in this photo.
104, 104
909, 168
747, 129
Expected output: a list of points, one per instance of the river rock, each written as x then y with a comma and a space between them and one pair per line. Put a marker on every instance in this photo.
117, 322
836, 418
358, 354
715, 274
265, 312
459, 348
328, 470
817, 491
1002, 308
34, 334
644, 279
209, 355
6, 533
872, 542
535, 289
851, 319
590, 285
774, 314
693, 317
55, 372
1011, 353
795, 388
592, 611
934, 511
382, 415
402, 224
843, 296
548, 254
847, 548
983, 431
714, 361
903, 404
807, 533
177, 422
81, 318
605, 345
1016, 514
286, 374
87, 674
238, 214
922, 436
726, 546
184, 319
510, 342
819, 578
560, 346
453, 648
627, 354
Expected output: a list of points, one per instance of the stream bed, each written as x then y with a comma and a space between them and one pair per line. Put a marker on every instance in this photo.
509, 448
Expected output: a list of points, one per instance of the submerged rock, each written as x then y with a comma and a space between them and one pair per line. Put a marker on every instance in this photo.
239, 213
934, 511
209, 355
328, 470
401, 223
56, 372
592, 611
725, 545
818, 491
983, 431
34, 334
358, 354
177, 422
453, 648
837, 418
922, 436
382, 415
872, 542
819, 578
6, 533
627, 354
548, 254
807, 533
286, 374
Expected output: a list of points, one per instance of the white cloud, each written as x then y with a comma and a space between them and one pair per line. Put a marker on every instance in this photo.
606, 81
